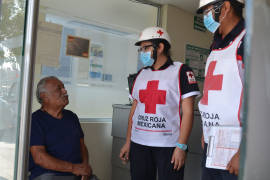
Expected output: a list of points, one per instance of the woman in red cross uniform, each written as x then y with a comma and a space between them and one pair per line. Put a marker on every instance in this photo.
161, 116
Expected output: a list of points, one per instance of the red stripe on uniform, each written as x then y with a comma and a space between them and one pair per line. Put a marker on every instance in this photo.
153, 130
239, 58
240, 107
135, 82
180, 94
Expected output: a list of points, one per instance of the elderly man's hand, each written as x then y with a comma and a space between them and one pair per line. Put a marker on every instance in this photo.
81, 169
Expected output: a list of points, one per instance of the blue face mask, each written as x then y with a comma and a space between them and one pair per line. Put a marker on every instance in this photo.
210, 23
146, 59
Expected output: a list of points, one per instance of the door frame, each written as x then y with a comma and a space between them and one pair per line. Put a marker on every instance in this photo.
25, 106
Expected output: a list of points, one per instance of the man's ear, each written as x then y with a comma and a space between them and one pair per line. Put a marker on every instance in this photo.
226, 8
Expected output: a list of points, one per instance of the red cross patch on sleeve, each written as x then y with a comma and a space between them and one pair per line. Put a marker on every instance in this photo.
191, 77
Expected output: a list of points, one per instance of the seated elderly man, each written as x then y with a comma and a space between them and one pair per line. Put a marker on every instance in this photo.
57, 149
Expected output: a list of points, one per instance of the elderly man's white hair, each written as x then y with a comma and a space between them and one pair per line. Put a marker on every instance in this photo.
41, 87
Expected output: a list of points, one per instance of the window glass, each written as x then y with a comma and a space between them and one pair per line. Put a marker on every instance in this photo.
92, 51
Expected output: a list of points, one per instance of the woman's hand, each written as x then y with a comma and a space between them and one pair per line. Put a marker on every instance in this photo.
178, 158
124, 152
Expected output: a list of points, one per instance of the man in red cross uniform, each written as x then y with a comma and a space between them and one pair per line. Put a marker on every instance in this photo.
223, 86
161, 116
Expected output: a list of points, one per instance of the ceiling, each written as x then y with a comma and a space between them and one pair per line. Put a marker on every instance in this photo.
188, 5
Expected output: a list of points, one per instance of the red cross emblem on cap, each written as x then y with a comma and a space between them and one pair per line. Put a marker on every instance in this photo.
151, 96
213, 83
160, 33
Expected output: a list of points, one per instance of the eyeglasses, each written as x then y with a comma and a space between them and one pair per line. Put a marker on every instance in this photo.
145, 48
216, 8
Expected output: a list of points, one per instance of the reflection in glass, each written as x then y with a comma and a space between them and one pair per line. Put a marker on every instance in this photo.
11, 45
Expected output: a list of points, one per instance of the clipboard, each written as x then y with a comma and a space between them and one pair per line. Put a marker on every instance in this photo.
224, 142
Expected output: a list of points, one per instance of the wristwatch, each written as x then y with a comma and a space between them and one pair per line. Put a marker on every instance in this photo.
182, 146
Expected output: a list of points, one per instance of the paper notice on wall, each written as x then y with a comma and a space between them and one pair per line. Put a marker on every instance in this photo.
48, 44
96, 62
83, 70
223, 144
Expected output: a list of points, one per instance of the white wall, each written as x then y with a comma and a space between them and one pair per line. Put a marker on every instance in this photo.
117, 13
99, 143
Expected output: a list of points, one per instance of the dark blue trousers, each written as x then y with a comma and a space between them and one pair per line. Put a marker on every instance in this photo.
146, 163
214, 174
50, 176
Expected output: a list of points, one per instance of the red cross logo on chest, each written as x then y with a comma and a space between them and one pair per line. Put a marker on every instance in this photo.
211, 82
151, 97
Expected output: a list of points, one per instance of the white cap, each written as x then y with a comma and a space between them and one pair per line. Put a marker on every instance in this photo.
152, 33
204, 3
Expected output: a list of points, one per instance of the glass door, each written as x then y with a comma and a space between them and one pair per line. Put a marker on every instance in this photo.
15, 21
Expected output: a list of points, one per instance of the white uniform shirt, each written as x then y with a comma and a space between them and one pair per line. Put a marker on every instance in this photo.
223, 89
157, 120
